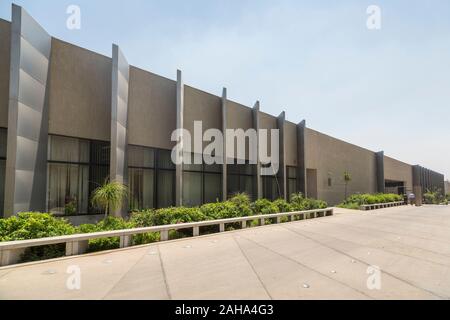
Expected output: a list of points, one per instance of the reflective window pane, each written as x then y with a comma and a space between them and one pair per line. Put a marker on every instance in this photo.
2, 185
141, 157
192, 189
165, 160
3, 142
68, 191
213, 188
165, 188
141, 183
65, 149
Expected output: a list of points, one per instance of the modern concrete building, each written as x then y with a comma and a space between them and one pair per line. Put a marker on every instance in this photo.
70, 118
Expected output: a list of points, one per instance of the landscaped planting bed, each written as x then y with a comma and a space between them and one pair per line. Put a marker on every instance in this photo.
33, 225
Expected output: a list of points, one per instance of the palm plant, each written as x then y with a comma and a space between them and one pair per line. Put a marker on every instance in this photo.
347, 179
109, 196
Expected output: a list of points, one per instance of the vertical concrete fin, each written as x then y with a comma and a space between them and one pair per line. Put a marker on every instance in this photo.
256, 126
380, 171
26, 164
281, 123
180, 126
119, 120
224, 155
301, 157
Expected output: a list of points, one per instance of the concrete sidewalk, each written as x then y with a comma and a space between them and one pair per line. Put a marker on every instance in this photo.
326, 258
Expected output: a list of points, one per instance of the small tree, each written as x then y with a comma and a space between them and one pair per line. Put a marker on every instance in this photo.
347, 179
109, 196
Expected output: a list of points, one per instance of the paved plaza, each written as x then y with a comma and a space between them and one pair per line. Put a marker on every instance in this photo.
395, 253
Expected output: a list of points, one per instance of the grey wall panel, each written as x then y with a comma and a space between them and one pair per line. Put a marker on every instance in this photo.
291, 144
301, 157
152, 110
281, 123
5, 53
180, 125
380, 172
79, 92
257, 126
119, 120
225, 160
398, 171
28, 115
331, 157
119, 116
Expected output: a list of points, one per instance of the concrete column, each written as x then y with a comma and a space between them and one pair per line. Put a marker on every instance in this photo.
225, 158
301, 157
281, 121
26, 164
380, 171
256, 126
119, 121
180, 125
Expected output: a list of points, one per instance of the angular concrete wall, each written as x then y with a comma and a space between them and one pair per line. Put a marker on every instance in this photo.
291, 144
398, 171
80, 92
204, 107
152, 109
28, 115
5, 52
332, 157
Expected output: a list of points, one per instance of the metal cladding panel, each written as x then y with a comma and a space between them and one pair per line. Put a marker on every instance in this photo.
301, 158
28, 115
119, 116
380, 172
281, 123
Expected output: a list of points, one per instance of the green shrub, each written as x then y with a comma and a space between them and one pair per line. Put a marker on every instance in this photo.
108, 224
221, 210
33, 225
242, 202
177, 215
357, 200
300, 203
283, 206
264, 206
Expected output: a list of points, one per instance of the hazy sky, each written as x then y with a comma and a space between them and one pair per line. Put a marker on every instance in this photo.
383, 90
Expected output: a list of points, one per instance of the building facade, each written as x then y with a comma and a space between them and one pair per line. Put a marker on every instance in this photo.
71, 118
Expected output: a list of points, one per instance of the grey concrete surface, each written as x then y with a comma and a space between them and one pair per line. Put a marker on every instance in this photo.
326, 258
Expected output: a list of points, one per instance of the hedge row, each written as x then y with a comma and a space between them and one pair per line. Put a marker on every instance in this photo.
34, 225
357, 200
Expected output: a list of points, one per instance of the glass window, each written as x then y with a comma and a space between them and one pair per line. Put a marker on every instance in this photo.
271, 190
68, 191
2, 185
213, 188
192, 189
64, 149
141, 157
100, 153
165, 188
76, 167
165, 160
3, 143
241, 179
196, 162
142, 187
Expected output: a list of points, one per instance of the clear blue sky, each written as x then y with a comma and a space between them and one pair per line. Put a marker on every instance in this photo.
384, 90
